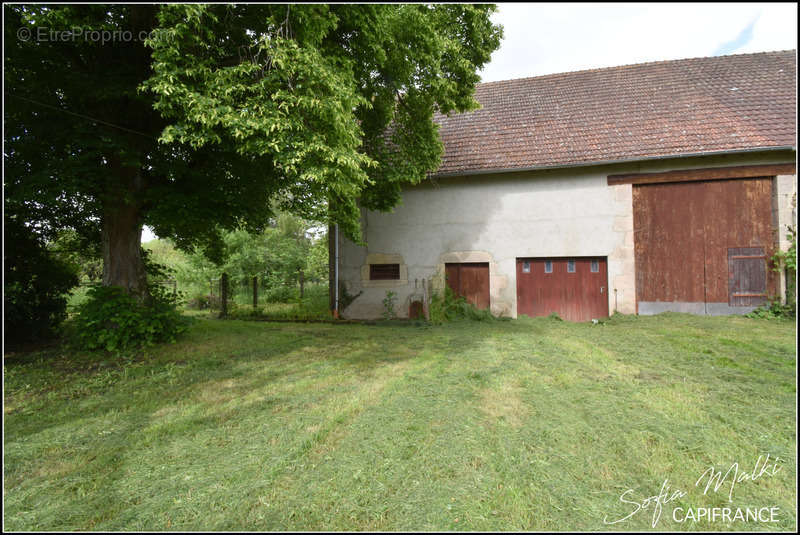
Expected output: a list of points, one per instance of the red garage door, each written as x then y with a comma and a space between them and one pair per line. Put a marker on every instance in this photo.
574, 288
471, 281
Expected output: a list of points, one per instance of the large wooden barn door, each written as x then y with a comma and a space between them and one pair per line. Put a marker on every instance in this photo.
471, 281
686, 240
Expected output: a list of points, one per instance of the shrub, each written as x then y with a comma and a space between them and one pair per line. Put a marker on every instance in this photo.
786, 261
281, 294
388, 306
773, 310
200, 302
113, 320
447, 306
35, 288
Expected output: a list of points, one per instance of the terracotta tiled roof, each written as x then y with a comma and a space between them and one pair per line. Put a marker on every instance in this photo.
668, 108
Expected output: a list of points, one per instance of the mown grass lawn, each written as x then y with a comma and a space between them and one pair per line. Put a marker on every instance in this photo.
507, 425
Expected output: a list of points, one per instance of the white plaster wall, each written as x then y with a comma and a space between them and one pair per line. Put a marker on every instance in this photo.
495, 219
498, 218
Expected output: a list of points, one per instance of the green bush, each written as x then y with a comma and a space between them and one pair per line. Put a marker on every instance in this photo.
113, 320
447, 306
35, 287
388, 306
786, 261
774, 310
281, 294
199, 302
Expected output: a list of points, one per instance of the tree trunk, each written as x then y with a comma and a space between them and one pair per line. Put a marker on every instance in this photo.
122, 257
331, 268
122, 234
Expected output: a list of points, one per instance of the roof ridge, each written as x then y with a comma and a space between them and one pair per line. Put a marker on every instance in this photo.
646, 63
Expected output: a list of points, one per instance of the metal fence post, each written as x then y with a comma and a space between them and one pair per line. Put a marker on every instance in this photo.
223, 295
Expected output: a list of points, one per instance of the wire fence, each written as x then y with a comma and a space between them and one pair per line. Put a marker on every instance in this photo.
252, 291
223, 294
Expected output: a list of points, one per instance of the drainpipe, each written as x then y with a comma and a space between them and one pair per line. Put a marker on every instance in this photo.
336, 272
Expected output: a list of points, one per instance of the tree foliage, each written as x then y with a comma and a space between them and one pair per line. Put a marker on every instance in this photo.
315, 88
225, 111
35, 285
276, 256
84, 255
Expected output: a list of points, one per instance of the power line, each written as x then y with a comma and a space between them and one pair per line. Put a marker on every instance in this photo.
84, 116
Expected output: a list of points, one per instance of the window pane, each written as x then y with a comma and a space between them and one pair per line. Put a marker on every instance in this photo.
570, 266
548, 266
595, 266
526, 267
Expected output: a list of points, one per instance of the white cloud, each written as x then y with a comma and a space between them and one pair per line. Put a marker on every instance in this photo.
776, 29
550, 38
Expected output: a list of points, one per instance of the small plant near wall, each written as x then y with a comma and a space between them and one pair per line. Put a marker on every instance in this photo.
345, 298
447, 306
783, 261
388, 305
786, 261
773, 310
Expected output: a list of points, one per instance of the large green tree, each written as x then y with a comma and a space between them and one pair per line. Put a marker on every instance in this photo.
195, 119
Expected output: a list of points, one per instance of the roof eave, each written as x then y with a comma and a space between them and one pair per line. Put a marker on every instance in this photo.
608, 162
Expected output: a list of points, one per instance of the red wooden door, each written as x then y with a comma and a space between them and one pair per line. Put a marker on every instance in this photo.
471, 281
684, 237
574, 288
747, 276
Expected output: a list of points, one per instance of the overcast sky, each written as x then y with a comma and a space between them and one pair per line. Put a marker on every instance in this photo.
551, 38
543, 38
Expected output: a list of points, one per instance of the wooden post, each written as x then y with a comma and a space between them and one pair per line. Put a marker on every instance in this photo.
211, 294
255, 293
223, 299
302, 281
